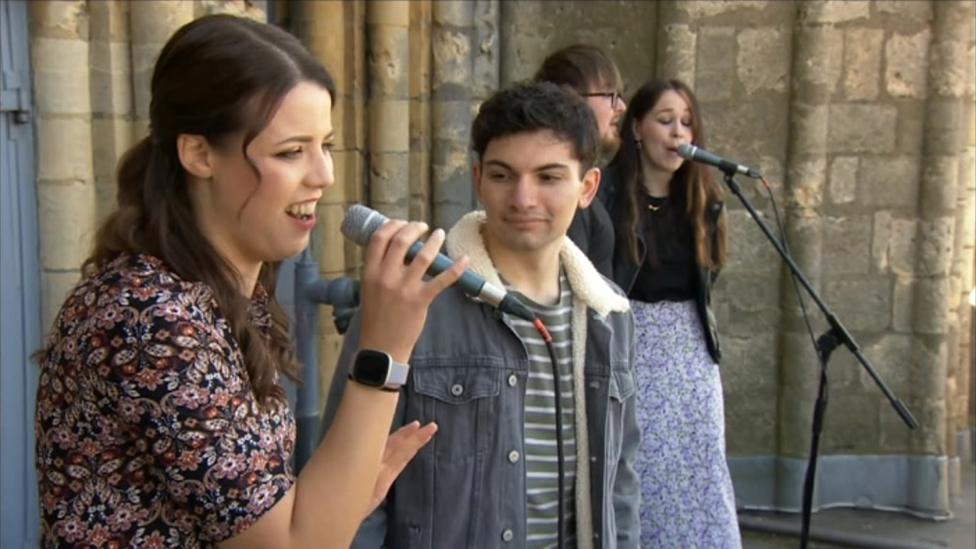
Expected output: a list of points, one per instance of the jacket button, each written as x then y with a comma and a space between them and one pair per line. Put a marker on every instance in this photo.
457, 389
508, 535
512, 380
513, 456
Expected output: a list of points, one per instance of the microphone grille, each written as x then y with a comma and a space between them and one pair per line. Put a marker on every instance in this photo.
360, 223
687, 151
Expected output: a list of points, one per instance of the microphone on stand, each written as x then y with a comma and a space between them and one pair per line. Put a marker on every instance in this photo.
693, 153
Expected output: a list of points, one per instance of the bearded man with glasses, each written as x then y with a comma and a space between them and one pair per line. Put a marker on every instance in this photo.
594, 76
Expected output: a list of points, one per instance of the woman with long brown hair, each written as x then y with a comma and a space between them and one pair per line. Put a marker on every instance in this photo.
670, 245
160, 420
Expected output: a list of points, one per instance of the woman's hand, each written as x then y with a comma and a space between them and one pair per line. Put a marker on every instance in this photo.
395, 296
401, 447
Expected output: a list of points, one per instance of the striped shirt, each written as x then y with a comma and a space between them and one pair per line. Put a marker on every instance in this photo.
541, 464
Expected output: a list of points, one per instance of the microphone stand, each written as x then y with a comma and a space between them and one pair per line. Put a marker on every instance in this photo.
835, 335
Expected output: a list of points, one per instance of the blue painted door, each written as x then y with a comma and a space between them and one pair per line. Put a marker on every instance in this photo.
19, 285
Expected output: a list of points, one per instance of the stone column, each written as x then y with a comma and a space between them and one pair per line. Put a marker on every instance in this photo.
66, 197
151, 23
421, 13
334, 33
676, 45
451, 87
111, 93
387, 24
816, 65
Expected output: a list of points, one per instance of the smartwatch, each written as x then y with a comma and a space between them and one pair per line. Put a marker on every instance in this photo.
378, 369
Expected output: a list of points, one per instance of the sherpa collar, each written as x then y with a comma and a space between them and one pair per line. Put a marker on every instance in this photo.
587, 284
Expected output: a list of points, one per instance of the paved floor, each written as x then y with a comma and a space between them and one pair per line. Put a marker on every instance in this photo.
836, 528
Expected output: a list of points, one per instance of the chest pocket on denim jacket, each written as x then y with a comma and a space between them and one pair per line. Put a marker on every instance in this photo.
463, 403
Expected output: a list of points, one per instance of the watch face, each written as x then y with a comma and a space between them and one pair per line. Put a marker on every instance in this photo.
371, 367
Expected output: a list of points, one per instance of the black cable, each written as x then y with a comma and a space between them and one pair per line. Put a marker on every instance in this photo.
786, 246
560, 457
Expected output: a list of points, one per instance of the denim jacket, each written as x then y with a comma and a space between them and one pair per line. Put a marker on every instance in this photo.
466, 488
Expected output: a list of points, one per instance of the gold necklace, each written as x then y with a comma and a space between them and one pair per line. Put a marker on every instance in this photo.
653, 208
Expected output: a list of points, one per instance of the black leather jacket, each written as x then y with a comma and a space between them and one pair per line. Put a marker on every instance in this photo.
625, 270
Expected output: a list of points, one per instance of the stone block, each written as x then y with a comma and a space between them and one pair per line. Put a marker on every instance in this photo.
715, 69
763, 59
834, 11
861, 303
851, 423
111, 83
754, 359
60, 19
143, 60
940, 183
750, 424
932, 306
819, 61
949, 74
893, 436
903, 246
389, 62
910, 126
843, 179
331, 253
700, 9
861, 128
749, 293
891, 357
55, 287
902, 309
111, 137
676, 53
109, 21
945, 126
806, 182
156, 20
388, 12
350, 176
389, 179
905, 10
64, 151
241, 8
880, 236
906, 64
935, 238
66, 215
61, 76
420, 174
456, 13
809, 134
749, 251
452, 58
862, 63
930, 437
888, 181
389, 126
756, 123
848, 249
451, 120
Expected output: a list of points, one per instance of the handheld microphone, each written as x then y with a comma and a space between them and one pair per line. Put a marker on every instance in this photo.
361, 222
692, 152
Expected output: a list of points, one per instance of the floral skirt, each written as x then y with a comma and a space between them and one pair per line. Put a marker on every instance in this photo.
687, 497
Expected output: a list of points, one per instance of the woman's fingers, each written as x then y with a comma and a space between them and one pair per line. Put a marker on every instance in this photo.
401, 447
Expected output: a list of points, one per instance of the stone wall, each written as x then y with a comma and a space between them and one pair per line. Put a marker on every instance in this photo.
860, 114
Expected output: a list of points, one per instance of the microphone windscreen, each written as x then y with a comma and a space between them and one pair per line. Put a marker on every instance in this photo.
686, 151
360, 223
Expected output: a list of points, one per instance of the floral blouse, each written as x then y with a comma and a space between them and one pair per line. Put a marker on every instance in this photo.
148, 433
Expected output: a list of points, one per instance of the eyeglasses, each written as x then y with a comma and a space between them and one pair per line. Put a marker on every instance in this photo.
615, 97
